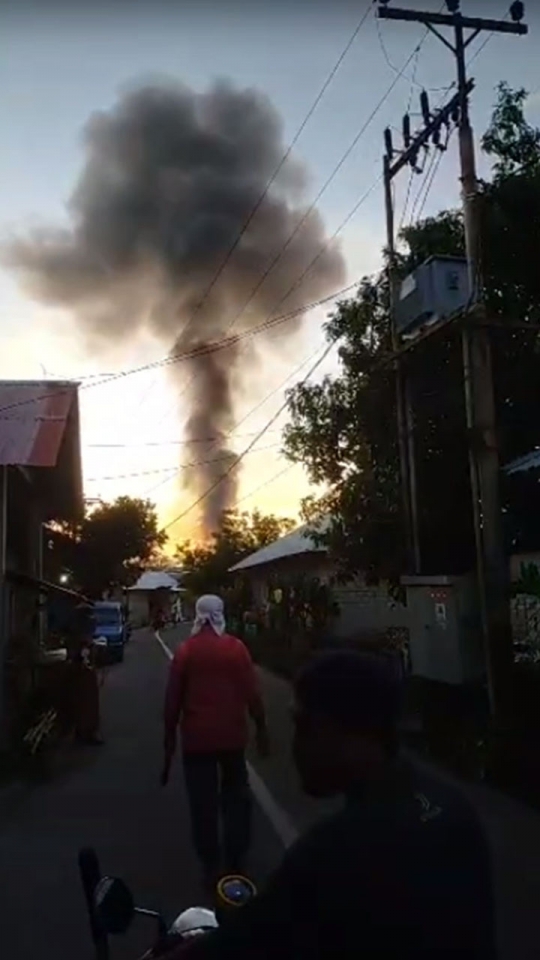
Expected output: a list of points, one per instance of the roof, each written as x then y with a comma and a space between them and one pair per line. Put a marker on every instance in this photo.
33, 418
155, 580
531, 461
45, 585
291, 545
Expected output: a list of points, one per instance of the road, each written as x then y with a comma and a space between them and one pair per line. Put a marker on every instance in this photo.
109, 797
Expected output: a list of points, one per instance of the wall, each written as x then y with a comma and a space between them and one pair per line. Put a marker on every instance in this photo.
363, 609
366, 609
138, 607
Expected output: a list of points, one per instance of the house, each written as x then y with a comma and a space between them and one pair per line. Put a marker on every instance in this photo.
363, 609
40, 481
155, 590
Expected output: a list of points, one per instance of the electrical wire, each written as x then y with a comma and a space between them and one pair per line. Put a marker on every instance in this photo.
254, 491
238, 460
226, 341
175, 469
254, 409
281, 164
163, 443
256, 207
412, 78
189, 354
411, 174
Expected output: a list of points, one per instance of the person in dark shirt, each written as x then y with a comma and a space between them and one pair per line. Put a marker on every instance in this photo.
402, 870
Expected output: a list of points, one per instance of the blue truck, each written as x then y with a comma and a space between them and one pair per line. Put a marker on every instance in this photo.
111, 631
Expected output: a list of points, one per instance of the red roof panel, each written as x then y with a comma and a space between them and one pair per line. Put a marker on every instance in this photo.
33, 417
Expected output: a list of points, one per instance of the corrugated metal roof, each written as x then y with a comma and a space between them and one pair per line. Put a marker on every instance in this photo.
155, 580
531, 461
291, 545
33, 416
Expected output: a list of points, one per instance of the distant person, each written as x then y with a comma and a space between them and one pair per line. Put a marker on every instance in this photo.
84, 686
401, 872
211, 690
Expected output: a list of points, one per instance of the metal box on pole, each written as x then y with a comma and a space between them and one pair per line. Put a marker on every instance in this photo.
434, 291
446, 642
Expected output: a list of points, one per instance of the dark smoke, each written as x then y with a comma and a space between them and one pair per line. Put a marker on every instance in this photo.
169, 179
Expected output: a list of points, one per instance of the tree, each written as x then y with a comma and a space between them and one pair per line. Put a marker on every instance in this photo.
343, 430
206, 565
109, 547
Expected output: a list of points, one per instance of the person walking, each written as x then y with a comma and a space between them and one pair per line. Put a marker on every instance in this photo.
212, 689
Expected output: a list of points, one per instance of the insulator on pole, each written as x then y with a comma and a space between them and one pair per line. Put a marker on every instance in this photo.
388, 143
407, 131
424, 104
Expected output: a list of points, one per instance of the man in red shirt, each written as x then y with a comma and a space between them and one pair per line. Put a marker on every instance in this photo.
211, 690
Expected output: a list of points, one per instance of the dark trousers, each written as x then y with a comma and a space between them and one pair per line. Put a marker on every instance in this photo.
217, 784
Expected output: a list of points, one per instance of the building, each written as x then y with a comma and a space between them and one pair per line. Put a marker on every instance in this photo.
40, 481
363, 610
155, 590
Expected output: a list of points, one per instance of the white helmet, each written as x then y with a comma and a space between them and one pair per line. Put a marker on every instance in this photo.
194, 921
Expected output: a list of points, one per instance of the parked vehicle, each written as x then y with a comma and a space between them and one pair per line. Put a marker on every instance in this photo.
112, 910
110, 631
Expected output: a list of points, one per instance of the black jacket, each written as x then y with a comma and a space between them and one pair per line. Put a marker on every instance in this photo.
402, 871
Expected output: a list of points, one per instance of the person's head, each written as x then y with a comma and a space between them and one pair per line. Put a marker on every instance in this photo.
346, 713
209, 612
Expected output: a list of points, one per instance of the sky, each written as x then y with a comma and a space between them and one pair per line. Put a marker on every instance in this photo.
61, 62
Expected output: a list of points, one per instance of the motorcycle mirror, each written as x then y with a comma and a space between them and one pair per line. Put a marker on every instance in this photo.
114, 906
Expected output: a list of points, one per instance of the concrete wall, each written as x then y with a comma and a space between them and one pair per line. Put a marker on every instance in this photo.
363, 609
366, 609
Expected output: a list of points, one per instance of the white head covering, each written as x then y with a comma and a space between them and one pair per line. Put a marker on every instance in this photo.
209, 613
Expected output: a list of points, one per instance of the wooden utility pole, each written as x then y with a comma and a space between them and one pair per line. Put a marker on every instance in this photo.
492, 563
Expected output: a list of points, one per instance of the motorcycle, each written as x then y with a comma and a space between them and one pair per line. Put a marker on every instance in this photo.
112, 910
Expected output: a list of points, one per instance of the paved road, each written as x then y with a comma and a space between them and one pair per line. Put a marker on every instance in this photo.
109, 797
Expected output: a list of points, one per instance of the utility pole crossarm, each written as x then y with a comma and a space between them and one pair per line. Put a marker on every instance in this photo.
450, 20
424, 135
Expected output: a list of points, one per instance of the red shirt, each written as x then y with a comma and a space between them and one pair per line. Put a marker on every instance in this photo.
212, 685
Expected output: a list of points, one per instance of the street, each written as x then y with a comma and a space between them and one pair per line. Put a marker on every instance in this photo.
108, 797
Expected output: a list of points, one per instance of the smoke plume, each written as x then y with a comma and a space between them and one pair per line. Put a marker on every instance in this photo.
170, 178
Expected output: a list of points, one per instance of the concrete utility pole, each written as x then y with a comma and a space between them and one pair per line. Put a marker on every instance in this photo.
492, 562
393, 163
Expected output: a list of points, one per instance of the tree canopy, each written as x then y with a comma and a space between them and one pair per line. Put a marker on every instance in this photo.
343, 429
239, 534
108, 548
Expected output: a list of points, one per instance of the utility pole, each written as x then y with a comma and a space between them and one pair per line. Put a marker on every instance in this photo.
492, 563
393, 162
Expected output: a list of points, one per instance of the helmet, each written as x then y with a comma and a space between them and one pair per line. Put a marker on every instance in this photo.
194, 921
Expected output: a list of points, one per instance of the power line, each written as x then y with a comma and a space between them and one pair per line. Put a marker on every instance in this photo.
164, 443
323, 190
175, 469
261, 486
280, 165
412, 78
229, 341
189, 354
249, 447
250, 412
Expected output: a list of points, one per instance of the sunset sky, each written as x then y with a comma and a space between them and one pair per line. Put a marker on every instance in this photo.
60, 64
